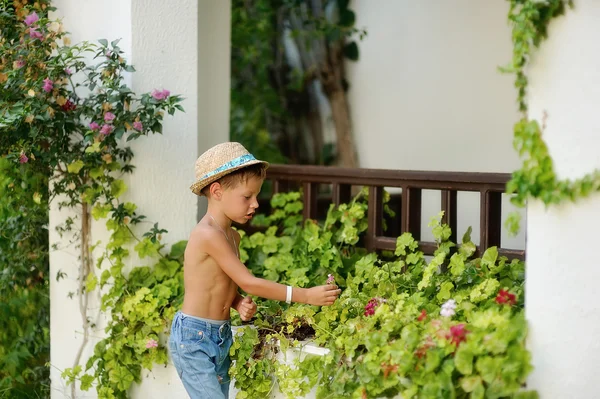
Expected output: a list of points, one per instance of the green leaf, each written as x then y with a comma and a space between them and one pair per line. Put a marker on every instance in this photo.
119, 132
464, 360
94, 148
101, 211
470, 384
467, 236
513, 223
103, 42
178, 249
351, 51
489, 257
433, 360
489, 368
96, 173
478, 392
484, 290
445, 289
86, 382
118, 187
104, 277
146, 248
166, 268
457, 265
121, 377
90, 282
347, 18
75, 167
526, 395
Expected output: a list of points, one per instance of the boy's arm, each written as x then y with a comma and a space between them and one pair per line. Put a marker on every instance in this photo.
216, 246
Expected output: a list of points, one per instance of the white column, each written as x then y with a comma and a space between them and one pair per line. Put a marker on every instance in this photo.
86, 21
563, 271
182, 47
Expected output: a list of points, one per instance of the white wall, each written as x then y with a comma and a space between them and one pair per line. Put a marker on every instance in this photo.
426, 94
561, 296
65, 320
170, 50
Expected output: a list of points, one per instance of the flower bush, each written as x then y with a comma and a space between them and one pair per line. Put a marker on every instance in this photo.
449, 326
66, 117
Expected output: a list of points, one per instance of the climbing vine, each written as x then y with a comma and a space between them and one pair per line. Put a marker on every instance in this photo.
537, 179
66, 113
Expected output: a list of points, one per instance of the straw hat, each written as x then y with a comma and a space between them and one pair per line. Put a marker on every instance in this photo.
219, 161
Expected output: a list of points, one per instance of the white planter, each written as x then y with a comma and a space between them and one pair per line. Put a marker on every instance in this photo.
163, 381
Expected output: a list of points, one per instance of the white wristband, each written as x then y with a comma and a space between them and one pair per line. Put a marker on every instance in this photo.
288, 296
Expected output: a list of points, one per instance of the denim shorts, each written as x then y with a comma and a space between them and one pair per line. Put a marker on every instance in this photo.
200, 351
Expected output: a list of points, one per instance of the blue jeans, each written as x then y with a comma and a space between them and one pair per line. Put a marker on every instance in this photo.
200, 351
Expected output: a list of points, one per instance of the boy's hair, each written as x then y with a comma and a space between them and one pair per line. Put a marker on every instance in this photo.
239, 176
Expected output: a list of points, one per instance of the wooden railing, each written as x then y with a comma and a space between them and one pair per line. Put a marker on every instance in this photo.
490, 187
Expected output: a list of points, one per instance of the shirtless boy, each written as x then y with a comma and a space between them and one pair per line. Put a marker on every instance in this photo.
231, 178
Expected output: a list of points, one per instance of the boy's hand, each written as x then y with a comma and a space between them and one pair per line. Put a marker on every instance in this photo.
322, 295
246, 308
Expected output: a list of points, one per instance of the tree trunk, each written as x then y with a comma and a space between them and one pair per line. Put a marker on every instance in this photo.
346, 152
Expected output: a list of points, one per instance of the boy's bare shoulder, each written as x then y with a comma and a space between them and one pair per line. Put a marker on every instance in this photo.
200, 235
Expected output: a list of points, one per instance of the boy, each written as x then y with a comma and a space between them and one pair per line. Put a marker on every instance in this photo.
231, 178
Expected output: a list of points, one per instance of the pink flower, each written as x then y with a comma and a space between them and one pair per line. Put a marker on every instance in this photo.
68, 71
160, 95
330, 279
457, 334
20, 63
151, 343
94, 126
109, 117
23, 158
48, 85
371, 306
34, 34
138, 126
505, 297
31, 19
106, 130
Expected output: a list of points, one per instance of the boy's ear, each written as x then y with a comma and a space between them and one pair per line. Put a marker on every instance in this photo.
216, 190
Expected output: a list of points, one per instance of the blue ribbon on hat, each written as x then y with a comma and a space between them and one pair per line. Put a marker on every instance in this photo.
231, 164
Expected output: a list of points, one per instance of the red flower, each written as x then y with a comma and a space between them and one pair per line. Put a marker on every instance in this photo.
505, 297
423, 315
68, 106
457, 334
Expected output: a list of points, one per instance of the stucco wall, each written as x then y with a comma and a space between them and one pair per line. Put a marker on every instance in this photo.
426, 94
80, 19
562, 271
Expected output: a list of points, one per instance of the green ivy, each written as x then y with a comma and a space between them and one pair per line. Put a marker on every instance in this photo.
536, 179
